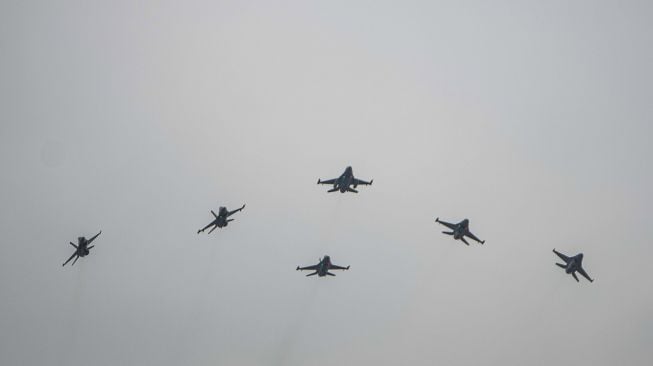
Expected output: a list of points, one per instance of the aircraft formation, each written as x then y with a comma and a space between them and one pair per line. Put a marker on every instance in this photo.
344, 183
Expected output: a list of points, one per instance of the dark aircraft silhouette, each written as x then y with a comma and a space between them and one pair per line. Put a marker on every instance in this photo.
81, 249
322, 268
459, 231
572, 265
344, 181
221, 220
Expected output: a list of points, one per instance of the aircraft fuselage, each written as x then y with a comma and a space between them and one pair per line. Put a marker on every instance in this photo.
574, 264
324, 266
461, 229
82, 247
346, 180
221, 221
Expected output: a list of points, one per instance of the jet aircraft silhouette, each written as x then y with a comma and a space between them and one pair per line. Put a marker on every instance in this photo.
82, 249
344, 182
460, 231
322, 268
221, 219
572, 265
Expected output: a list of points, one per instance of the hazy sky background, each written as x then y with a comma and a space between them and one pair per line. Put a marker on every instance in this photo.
530, 118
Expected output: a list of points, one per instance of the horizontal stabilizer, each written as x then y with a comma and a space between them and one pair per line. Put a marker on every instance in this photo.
352, 190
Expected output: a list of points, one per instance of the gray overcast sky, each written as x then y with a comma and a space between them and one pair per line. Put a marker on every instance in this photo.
530, 118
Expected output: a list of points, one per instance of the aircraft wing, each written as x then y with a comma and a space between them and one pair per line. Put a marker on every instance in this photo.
333, 266
362, 182
328, 181
447, 224
584, 274
308, 268
71, 257
562, 256
93, 238
234, 211
469, 233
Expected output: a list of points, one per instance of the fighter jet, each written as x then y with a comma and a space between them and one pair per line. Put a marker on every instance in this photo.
322, 268
344, 181
221, 220
572, 265
460, 231
81, 249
